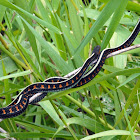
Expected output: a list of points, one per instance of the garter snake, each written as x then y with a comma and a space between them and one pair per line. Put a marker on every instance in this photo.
22, 101
60, 83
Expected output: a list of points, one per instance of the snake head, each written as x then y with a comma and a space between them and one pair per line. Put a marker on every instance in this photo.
97, 50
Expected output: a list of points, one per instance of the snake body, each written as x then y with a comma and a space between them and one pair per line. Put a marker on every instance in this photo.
20, 104
59, 83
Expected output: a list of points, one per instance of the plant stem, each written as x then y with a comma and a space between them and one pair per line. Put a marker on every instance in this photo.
63, 120
14, 58
87, 110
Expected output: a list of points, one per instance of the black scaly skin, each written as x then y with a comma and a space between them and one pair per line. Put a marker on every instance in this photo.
91, 74
84, 78
19, 108
21, 102
52, 80
88, 77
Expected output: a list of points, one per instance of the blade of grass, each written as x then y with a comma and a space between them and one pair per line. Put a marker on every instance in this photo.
88, 123
14, 58
31, 38
75, 20
47, 106
28, 135
58, 38
71, 42
117, 106
114, 22
63, 118
104, 16
129, 126
17, 74
43, 11
86, 29
87, 110
131, 77
18, 9
2, 11
131, 96
109, 133
133, 6
61, 64
6, 84
133, 119
28, 58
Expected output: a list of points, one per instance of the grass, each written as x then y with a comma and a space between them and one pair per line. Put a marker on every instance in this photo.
41, 39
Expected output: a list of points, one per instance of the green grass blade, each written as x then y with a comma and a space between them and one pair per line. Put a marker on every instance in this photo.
104, 16
50, 51
46, 105
109, 133
131, 96
114, 23
129, 126
14, 7
17, 74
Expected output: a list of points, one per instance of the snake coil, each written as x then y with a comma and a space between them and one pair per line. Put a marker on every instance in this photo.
59, 83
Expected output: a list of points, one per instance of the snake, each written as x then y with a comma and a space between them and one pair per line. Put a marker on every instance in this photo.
60, 83
22, 101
